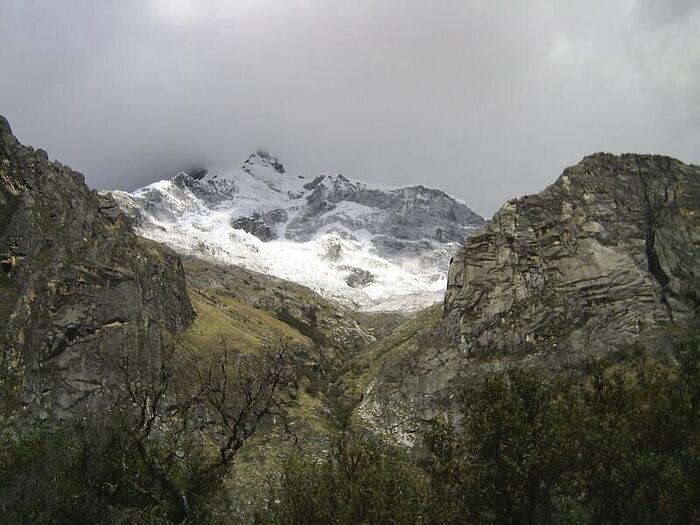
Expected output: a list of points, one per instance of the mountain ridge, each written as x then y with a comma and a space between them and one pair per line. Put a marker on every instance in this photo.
603, 259
370, 247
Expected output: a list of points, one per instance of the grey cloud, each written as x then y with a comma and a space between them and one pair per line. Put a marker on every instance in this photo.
486, 99
654, 13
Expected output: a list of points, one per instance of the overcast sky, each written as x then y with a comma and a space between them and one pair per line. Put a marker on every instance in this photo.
487, 99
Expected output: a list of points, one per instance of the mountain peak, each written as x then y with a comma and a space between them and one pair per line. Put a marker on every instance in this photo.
262, 157
196, 172
5, 128
371, 248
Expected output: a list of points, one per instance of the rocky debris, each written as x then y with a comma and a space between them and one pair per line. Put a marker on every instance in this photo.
603, 259
77, 287
358, 278
255, 225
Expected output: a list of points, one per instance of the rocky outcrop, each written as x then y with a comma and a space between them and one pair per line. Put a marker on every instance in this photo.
603, 259
77, 287
358, 278
255, 225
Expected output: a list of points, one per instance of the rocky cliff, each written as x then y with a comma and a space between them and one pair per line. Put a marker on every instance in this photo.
76, 285
605, 258
609, 255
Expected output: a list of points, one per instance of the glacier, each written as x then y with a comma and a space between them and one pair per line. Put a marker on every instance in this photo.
370, 247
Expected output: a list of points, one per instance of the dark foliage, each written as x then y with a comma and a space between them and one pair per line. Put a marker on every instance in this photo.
158, 453
363, 481
619, 444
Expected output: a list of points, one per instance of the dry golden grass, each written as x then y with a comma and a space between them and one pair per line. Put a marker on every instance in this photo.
244, 328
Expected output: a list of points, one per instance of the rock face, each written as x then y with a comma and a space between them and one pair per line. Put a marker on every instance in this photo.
255, 225
404, 215
76, 285
606, 257
390, 246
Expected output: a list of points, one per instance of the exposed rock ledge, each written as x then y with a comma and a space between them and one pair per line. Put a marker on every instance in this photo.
606, 257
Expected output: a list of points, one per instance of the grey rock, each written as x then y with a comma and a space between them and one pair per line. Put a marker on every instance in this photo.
77, 287
5, 128
359, 278
255, 225
212, 192
603, 259
275, 216
267, 159
406, 214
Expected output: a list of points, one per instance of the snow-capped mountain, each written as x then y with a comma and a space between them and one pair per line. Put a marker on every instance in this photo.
370, 247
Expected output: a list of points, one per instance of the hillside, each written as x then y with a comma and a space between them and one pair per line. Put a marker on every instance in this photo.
604, 259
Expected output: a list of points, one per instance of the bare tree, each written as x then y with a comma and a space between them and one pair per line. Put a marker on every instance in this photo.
185, 416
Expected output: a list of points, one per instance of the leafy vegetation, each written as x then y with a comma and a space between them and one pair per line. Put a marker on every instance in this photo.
158, 451
618, 444
364, 481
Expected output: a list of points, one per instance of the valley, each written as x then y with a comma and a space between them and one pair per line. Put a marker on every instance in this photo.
600, 265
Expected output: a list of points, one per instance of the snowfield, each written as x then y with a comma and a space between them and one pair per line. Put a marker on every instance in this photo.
367, 247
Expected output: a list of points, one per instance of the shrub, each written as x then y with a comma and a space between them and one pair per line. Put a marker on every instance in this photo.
363, 481
619, 446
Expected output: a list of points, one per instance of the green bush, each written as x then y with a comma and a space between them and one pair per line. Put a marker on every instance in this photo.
621, 445
35, 489
363, 481
509, 461
71, 474
158, 450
